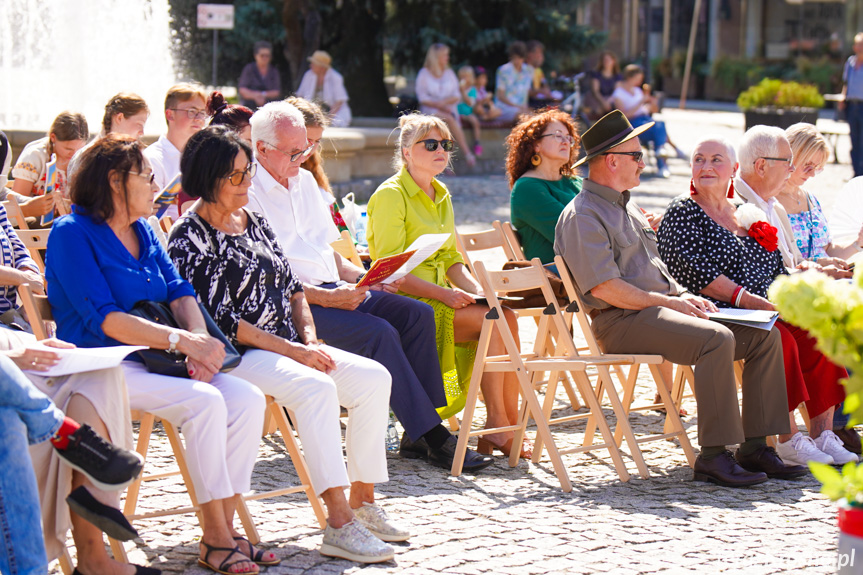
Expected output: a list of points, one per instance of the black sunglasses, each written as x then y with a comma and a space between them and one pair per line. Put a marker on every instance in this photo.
635, 155
431, 145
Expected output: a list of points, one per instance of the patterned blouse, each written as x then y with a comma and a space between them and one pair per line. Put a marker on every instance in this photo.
810, 230
13, 254
237, 277
697, 250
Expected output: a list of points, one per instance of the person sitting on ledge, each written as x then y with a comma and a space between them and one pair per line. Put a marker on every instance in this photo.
396, 331
638, 307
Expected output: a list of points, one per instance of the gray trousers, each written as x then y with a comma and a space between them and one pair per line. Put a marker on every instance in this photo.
712, 348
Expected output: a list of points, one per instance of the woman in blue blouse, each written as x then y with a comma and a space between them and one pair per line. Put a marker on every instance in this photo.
101, 261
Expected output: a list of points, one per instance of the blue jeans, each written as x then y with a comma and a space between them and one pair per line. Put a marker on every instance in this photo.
27, 417
854, 117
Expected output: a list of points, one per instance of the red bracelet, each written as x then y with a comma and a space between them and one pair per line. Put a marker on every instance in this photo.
735, 294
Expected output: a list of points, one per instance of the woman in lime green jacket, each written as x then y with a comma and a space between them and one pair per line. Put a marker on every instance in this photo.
413, 203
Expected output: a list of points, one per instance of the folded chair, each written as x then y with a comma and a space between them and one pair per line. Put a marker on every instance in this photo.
346, 248
524, 365
497, 238
15, 215
35, 241
605, 386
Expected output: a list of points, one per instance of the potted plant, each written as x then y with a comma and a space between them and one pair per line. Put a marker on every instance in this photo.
778, 103
832, 312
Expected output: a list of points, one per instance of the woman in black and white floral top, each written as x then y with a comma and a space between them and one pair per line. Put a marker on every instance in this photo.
240, 273
729, 254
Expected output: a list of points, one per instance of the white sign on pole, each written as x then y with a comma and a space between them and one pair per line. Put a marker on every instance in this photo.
216, 16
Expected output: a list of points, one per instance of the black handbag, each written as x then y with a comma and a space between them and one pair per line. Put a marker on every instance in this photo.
164, 362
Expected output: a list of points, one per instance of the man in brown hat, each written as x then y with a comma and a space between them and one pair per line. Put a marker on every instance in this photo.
637, 307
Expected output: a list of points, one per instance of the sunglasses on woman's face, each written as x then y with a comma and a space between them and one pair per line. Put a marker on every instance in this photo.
431, 145
236, 178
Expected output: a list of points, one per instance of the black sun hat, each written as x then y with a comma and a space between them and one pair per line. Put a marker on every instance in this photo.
609, 131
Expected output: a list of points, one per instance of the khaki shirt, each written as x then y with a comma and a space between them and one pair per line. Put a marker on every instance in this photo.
602, 236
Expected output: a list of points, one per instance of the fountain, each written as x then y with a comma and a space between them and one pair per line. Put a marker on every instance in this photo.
76, 54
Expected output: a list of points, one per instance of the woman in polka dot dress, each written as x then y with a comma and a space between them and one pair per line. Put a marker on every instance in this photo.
728, 255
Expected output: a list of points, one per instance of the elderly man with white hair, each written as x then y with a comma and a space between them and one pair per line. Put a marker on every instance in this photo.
396, 331
766, 162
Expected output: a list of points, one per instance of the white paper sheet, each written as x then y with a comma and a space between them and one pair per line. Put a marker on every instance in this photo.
81, 359
762, 319
425, 246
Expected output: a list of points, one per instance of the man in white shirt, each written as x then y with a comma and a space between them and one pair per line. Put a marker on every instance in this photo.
186, 113
396, 331
766, 161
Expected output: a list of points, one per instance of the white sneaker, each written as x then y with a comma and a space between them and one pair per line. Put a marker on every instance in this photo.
354, 542
801, 449
830, 444
381, 526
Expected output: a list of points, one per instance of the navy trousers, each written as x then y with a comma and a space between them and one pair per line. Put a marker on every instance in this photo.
854, 116
399, 333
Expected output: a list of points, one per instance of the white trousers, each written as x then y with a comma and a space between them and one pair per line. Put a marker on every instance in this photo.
360, 384
221, 422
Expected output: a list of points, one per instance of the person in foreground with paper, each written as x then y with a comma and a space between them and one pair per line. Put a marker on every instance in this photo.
374, 322
29, 418
414, 203
638, 307
730, 255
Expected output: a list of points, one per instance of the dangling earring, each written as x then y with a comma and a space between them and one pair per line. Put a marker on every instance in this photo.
535, 160
731, 190
692, 191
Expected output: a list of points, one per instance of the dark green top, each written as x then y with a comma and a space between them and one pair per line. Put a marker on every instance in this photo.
535, 206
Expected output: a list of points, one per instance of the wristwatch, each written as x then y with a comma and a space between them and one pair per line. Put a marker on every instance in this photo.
173, 340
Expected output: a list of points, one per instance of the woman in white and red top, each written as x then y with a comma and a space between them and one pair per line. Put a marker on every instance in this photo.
438, 93
68, 134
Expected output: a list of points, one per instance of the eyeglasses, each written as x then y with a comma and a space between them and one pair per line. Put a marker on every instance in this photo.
776, 159
635, 155
431, 145
151, 177
561, 138
236, 177
297, 155
192, 113
812, 169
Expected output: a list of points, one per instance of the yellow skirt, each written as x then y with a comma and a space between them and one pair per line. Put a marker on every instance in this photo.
456, 359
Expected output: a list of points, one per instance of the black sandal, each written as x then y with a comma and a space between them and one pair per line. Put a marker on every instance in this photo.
225, 564
258, 555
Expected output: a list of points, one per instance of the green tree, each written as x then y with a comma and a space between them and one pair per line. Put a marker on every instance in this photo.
254, 20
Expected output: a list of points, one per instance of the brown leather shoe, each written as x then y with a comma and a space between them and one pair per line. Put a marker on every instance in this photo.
724, 470
765, 459
850, 439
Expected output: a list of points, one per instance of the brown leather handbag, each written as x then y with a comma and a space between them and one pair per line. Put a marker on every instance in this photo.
533, 297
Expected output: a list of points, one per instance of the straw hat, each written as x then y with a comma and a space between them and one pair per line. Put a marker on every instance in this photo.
321, 58
609, 131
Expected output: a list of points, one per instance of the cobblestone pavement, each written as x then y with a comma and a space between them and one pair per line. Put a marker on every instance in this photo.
517, 520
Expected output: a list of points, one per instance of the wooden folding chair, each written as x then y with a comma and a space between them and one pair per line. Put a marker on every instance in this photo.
496, 238
523, 365
345, 247
605, 385
36, 241
161, 233
512, 245
15, 215
39, 312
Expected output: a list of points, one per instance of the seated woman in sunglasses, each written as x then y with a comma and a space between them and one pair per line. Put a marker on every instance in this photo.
232, 258
413, 203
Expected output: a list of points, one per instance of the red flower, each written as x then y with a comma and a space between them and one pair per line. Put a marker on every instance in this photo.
765, 234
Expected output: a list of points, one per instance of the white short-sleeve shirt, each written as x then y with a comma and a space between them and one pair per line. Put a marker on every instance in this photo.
301, 221
165, 159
